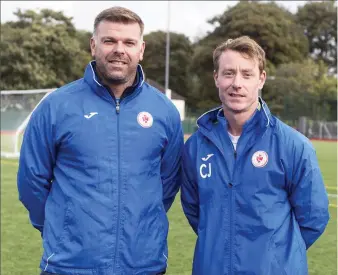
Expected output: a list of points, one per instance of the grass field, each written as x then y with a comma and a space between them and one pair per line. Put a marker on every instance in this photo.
21, 244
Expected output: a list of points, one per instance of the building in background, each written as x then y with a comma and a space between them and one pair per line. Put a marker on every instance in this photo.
178, 100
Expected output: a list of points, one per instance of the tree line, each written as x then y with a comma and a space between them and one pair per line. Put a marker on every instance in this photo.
44, 50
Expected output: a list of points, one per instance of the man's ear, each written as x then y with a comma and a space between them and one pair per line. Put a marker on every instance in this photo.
92, 46
143, 46
216, 78
262, 79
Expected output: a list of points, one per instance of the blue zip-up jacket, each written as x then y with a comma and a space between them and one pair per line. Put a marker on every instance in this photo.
255, 211
98, 177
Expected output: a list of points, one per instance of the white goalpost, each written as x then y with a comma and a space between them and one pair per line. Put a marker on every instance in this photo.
16, 109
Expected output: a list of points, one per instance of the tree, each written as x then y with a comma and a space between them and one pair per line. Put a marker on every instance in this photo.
302, 89
271, 26
319, 21
204, 93
40, 50
84, 39
180, 56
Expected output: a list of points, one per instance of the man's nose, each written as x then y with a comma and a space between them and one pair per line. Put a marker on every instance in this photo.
119, 47
237, 83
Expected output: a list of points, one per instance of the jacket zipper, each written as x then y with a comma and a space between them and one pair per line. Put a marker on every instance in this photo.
118, 182
230, 185
230, 208
118, 102
230, 233
231, 218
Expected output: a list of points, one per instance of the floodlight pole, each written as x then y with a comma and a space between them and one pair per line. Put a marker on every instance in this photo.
166, 87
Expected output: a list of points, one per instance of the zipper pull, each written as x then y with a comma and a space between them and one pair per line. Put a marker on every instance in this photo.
118, 107
235, 154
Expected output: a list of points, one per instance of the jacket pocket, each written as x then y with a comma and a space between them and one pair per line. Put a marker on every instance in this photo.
300, 239
164, 228
51, 242
275, 267
87, 236
149, 242
278, 269
293, 264
163, 219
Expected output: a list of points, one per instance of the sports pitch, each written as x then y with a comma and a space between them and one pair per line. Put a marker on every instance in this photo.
21, 246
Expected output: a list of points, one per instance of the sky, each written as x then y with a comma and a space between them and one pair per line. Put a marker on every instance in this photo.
186, 17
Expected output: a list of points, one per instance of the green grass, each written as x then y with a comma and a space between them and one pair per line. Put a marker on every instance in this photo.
21, 244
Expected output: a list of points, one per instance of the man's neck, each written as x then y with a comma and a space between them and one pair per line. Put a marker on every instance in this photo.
237, 120
117, 90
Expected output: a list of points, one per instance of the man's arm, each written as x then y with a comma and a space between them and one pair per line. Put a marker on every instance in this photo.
308, 195
37, 158
171, 162
189, 190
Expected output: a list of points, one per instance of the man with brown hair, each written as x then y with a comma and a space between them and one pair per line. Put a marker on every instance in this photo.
251, 185
100, 159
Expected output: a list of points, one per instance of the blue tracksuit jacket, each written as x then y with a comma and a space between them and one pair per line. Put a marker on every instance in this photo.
255, 211
97, 177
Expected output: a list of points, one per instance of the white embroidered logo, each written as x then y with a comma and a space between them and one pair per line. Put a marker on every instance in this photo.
91, 114
207, 157
205, 166
145, 119
259, 159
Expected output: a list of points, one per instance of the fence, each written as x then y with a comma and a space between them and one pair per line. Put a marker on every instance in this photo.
16, 107
316, 129
313, 129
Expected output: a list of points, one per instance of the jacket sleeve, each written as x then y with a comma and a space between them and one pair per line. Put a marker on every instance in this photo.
37, 157
308, 196
189, 189
171, 161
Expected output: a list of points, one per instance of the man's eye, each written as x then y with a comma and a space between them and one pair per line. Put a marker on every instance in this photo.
130, 43
228, 73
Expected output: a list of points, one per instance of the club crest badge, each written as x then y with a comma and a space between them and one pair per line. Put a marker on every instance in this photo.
145, 119
259, 159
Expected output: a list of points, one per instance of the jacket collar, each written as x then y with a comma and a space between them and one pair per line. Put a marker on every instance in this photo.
91, 77
262, 117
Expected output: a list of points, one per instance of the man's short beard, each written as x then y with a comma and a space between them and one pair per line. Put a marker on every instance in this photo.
115, 81
108, 79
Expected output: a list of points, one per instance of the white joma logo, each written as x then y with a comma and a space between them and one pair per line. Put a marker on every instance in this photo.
91, 114
207, 157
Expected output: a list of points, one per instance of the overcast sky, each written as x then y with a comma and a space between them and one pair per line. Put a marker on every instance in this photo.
187, 17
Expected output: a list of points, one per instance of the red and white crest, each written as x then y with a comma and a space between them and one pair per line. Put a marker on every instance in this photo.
145, 119
259, 159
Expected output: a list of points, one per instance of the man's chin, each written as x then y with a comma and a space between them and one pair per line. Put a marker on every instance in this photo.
236, 108
117, 78
237, 111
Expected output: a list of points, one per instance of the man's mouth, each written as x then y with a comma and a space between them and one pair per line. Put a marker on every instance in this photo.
235, 95
117, 62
